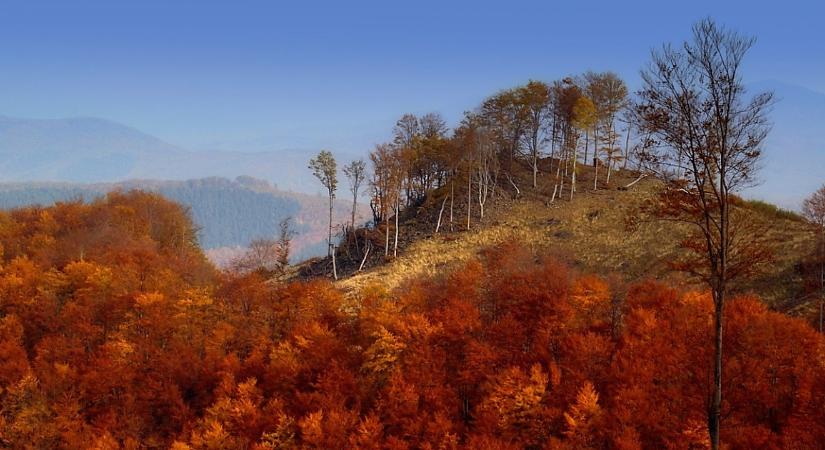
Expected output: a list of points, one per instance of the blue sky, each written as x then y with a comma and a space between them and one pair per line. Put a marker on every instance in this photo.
251, 75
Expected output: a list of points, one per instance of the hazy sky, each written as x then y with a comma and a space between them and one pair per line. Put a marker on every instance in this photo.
252, 75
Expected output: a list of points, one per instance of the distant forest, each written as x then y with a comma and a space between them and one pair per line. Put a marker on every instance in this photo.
228, 213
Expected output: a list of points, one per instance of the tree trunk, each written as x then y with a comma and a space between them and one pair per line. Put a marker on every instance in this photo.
596, 176
366, 254
469, 197
329, 238
609, 167
354, 204
627, 146
452, 196
715, 407
573, 178
595, 145
440, 213
535, 158
395, 245
480, 196
387, 234
334, 268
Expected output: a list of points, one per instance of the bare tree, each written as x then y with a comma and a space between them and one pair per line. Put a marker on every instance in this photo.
325, 169
694, 102
356, 172
813, 208
284, 244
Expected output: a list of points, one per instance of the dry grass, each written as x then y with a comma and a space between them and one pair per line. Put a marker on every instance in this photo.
589, 232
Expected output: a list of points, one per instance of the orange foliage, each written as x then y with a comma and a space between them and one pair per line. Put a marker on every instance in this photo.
115, 333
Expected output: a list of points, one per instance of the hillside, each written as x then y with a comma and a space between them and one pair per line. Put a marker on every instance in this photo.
228, 213
590, 233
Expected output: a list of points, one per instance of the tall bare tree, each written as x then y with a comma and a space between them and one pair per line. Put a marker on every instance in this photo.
325, 169
694, 102
356, 173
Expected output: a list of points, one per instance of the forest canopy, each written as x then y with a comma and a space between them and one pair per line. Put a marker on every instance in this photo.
116, 333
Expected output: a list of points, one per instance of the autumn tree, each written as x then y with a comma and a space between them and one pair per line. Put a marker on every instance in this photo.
584, 120
694, 101
536, 101
566, 95
813, 208
506, 116
325, 170
387, 181
609, 94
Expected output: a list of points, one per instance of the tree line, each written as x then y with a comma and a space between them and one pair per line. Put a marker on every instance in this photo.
581, 120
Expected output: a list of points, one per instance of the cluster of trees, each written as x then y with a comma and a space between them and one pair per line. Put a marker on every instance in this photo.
115, 333
549, 127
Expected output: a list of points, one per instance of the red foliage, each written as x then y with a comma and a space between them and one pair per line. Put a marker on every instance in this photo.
114, 332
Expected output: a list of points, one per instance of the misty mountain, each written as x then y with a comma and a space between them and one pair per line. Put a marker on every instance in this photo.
230, 213
89, 150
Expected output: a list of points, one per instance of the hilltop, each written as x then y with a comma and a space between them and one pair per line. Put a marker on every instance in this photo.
591, 233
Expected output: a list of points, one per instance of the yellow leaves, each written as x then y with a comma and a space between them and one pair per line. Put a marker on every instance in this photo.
591, 297
283, 437
119, 348
311, 426
584, 113
382, 355
197, 297
588, 291
62, 369
149, 300
515, 397
313, 333
695, 434
586, 406
285, 358
214, 437
582, 419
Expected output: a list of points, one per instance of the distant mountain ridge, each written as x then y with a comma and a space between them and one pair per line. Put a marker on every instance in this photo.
91, 150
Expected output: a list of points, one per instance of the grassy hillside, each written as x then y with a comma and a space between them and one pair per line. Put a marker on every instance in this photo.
590, 233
